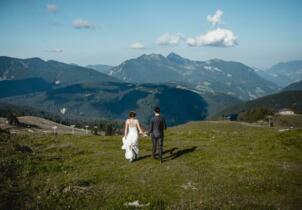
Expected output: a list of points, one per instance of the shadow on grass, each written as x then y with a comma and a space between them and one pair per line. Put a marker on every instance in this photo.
143, 157
175, 153
170, 150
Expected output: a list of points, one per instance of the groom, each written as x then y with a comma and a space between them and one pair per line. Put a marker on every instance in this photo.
157, 127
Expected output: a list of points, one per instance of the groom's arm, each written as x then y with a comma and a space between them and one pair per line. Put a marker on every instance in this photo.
150, 127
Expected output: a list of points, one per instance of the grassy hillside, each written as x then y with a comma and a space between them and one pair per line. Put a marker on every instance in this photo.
288, 120
294, 86
208, 165
8, 111
286, 99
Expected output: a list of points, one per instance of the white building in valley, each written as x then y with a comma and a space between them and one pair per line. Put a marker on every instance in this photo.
286, 111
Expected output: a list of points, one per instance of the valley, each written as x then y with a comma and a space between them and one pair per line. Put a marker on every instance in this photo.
205, 88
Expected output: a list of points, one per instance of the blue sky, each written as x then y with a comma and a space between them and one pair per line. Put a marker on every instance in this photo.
258, 33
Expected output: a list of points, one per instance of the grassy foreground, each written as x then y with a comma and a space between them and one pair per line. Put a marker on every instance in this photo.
208, 165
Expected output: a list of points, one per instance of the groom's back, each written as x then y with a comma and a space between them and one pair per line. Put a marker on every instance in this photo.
158, 126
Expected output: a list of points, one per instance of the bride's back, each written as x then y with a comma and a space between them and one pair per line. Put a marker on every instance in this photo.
132, 122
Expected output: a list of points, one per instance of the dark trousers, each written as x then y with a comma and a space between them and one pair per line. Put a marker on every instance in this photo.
158, 146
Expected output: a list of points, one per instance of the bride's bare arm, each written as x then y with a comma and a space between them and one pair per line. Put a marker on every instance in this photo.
139, 127
126, 128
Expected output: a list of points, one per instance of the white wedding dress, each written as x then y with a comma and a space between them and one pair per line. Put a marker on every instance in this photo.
130, 142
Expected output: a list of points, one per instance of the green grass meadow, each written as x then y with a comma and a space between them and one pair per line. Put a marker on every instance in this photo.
207, 165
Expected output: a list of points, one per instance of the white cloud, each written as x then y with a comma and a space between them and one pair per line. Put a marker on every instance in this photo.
218, 37
191, 41
54, 51
169, 39
137, 45
52, 8
82, 24
216, 18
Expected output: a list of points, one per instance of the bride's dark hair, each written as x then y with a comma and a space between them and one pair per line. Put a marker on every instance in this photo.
132, 114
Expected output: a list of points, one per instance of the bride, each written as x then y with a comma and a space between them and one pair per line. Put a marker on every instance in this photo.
130, 139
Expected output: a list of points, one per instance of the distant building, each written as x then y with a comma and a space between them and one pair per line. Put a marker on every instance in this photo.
286, 111
231, 117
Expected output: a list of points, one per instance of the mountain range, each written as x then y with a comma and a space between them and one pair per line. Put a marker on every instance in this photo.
51, 71
214, 75
284, 73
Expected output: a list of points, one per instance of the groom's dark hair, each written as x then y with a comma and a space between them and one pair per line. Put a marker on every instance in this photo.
157, 110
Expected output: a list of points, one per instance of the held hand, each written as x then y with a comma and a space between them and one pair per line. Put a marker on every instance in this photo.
143, 134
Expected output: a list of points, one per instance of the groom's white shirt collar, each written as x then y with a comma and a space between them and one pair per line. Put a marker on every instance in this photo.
156, 114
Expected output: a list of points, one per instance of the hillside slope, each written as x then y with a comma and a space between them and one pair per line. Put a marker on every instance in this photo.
294, 86
115, 100
22, 87
285, 99
91, 101
34, 125
207, 165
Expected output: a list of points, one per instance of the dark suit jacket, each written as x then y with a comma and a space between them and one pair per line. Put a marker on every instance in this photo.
157, 126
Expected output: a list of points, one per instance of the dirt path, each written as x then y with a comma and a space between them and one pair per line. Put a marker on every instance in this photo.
40, 125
